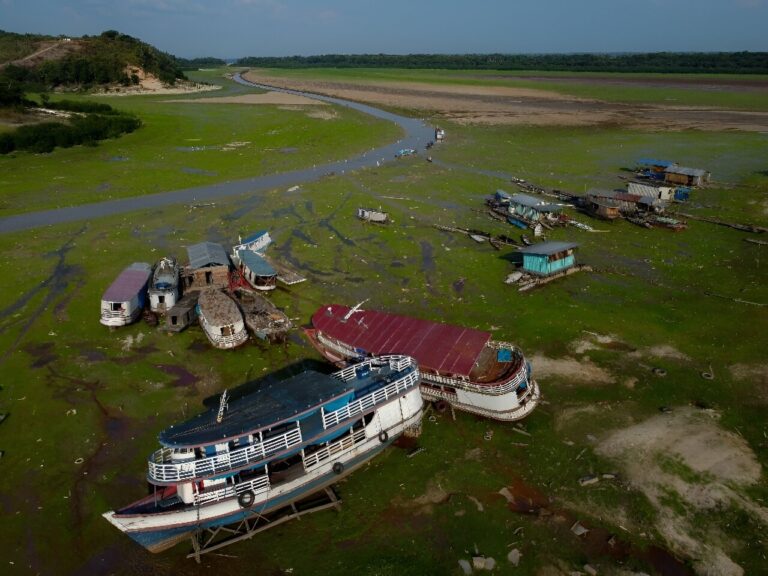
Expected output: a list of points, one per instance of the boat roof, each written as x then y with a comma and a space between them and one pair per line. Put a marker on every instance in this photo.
266, 407
437, 347
654, 162
548, 248
256, 263
253, 237
535, 203
128, 283
685, 171
207, 254
218, 308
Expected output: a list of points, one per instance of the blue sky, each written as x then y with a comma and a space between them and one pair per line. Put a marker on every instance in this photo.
235, 28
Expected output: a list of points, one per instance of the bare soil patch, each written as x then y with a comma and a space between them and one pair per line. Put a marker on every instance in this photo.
494, 105
685, 462
570, 369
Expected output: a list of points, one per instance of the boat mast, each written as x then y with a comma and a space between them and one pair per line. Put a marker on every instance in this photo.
222, 407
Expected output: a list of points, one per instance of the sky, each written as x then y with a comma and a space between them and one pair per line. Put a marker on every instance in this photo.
238, 28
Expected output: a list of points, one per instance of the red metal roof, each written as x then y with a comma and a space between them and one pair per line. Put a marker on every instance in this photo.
437, 347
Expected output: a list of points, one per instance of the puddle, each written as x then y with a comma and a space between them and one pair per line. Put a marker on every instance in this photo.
42, 353
303, 237
397, 264
458, 285
427, 259
183, 376
199, 346
93, 355
289, 150
118, 159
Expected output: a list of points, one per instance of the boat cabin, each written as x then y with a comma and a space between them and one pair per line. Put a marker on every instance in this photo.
208, 267
370, 215
256, 242
603, 208
532, 209
126, 297
221, 319
650, 191
164, 287
686, 176
256, 270
547, 258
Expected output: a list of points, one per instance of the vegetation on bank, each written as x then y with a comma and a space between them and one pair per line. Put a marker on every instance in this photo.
667, 62
109, 58
86, 123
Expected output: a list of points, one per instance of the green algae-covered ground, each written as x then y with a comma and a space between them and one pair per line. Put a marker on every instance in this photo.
686, 455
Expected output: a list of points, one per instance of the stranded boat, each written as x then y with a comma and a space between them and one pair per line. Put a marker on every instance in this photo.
221, 319
460, 366
262, 317
124, 300
270, 448
164, 288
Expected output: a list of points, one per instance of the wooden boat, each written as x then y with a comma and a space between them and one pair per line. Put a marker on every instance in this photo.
164, 287
126, 297
262, 317
270, 448
458, 365
221, 319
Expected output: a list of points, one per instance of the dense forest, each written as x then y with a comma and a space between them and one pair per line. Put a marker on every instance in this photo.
85, 62
672, 62
197, 63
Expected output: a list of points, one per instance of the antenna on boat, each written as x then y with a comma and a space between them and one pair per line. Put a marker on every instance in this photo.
222, 407
354, 309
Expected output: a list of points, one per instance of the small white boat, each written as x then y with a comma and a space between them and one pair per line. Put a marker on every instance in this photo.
164, 288
126, 297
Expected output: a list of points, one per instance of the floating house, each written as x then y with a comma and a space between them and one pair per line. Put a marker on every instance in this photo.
164, 288
603, 208
208, 267
502, 198
548, 258
183, 314
653, 168
651, 191
126, 297
532, 210
686, 176
627, 203
256, 271
256, 242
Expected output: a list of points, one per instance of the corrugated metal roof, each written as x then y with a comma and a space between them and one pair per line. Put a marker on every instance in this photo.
675, 169
128, 283
548, 248
207, 254
535, 203
253, 237
256, 263
267, 406
439, 348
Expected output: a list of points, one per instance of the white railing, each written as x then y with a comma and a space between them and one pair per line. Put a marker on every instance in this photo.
396, 363
345, 351
497, 390
370, 400
162, 469
335, 449
257, 486
230, 341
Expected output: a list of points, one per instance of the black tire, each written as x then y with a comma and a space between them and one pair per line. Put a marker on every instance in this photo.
383, 436
337, 468
246, 499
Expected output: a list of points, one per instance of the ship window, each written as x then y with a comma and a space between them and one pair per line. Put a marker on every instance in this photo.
116, 306
208, 277
161, 299
174, 320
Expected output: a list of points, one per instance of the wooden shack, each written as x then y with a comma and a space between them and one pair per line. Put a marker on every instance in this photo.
208, 267
183, 314
548, 258
686, 176
603, 208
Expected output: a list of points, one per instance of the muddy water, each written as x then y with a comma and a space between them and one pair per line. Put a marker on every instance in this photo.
417, 134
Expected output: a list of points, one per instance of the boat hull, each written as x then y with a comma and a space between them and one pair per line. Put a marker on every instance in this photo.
160, 531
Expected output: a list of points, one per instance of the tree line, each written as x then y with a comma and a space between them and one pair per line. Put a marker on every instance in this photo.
88, 122
666, 62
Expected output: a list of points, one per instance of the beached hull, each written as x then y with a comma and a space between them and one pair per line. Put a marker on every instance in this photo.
162, 530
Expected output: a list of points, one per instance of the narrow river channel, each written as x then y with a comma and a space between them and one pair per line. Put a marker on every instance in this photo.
417, 134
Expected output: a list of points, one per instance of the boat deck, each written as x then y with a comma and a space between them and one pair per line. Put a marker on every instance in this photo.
488, 369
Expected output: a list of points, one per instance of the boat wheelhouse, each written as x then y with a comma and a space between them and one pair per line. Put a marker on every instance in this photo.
458, 365
164, 288
124, 300
221, 319
270, 448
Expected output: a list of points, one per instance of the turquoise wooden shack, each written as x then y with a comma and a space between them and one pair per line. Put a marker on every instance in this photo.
547, 258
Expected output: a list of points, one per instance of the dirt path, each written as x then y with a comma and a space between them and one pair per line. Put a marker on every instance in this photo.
494, 105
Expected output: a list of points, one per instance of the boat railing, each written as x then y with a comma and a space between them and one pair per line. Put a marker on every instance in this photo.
237, 337
257, 486
396, 363
493, 389
162, 469
115, 313
334, 449
368, 401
